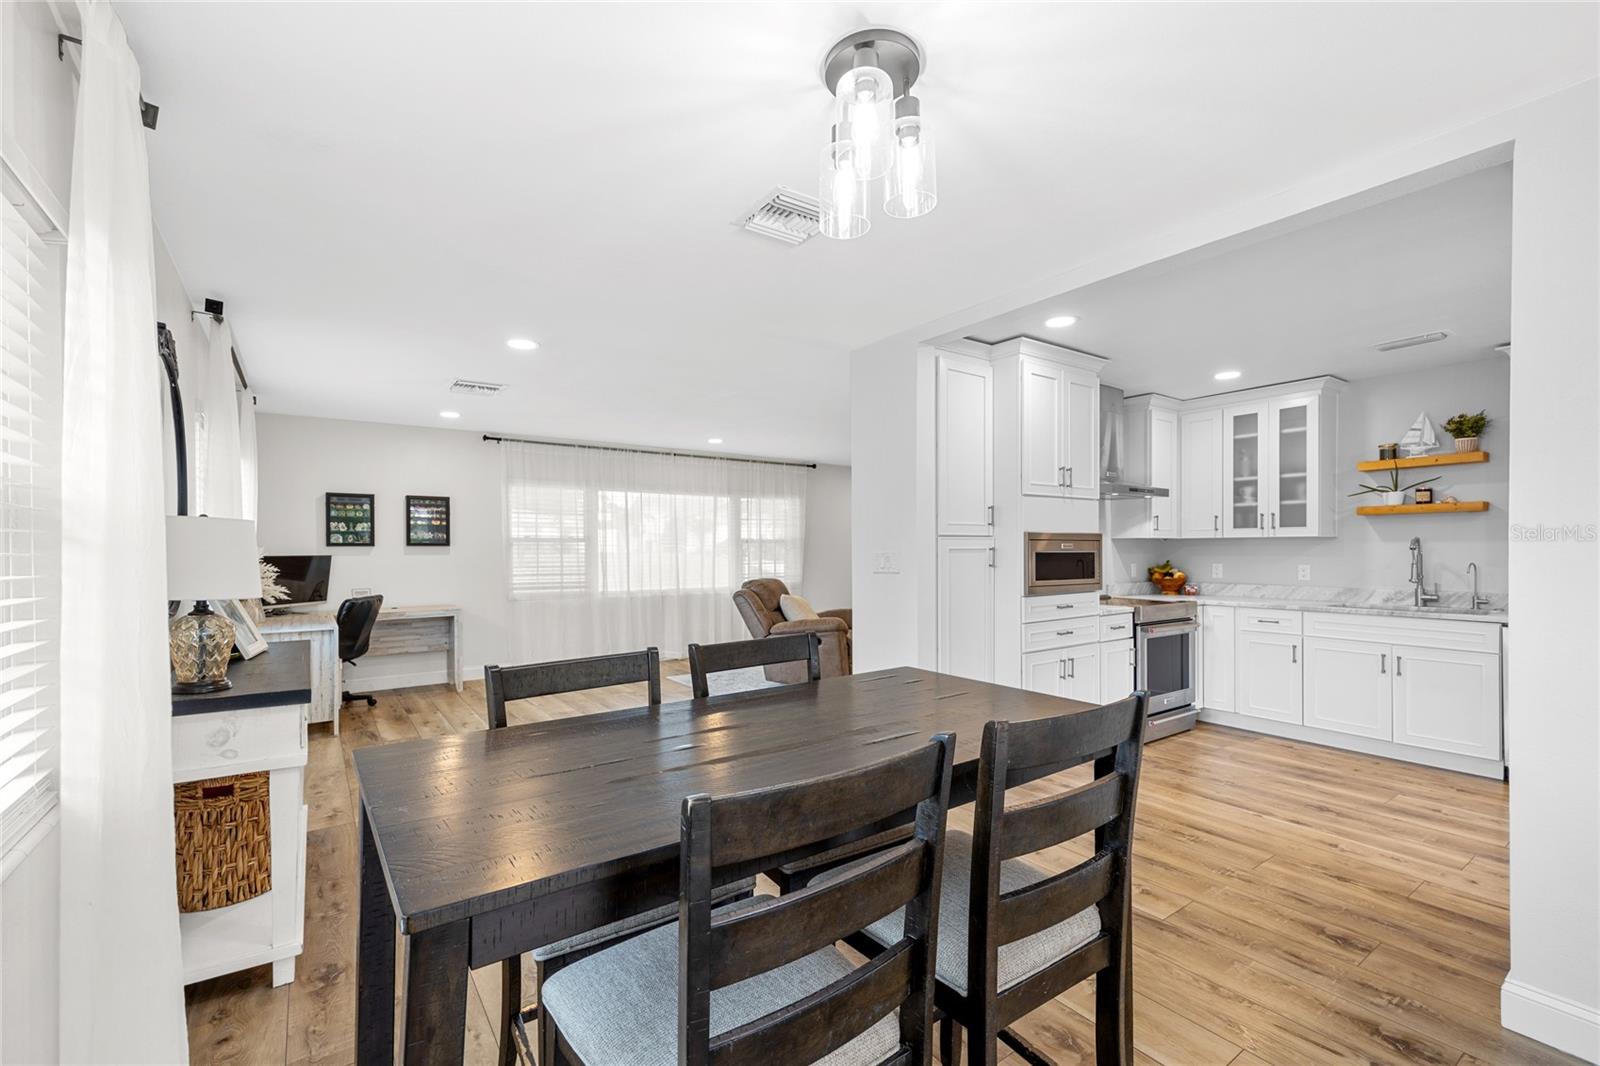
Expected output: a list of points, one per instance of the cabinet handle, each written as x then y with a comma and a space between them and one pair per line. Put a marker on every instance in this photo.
1061, 476
1216, 523
1157, 519
991, 514
1261, 520
1397, 666
1268, 621
1063, 632
1294, 653
1063, 673
1383, 663
1130, 657
991, 557
1063, 606
1072, 669
1274, 520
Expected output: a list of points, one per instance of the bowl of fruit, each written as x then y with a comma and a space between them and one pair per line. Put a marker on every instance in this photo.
1168, 578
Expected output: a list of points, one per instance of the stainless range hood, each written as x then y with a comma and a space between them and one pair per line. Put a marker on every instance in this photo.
1115, 482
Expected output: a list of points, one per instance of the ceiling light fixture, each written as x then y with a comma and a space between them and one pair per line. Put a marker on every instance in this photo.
878, 132
449, 414
713, 440
1061, 321
1226, 375
1412, 342
521, 344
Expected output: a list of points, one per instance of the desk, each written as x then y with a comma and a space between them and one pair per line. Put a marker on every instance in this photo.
480, 846
258, 724
398, 631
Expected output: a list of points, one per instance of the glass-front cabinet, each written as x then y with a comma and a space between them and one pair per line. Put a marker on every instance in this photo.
1293, 424
1243, 435
1272, 461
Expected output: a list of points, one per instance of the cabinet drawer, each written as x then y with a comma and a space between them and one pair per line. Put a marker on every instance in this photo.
1055, 608
1262, 620
1446, 633
1116, 626
1060, 634
229, 742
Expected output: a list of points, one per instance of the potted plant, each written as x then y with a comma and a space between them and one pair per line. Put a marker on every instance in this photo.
1466, 429
1168, 578
1393, 494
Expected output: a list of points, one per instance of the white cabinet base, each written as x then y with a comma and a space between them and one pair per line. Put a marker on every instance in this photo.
1443, 760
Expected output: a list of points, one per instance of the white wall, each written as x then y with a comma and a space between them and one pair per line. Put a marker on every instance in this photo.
1371, 552
1553, 991
303, 458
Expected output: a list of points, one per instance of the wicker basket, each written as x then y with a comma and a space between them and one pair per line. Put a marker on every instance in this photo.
224, 841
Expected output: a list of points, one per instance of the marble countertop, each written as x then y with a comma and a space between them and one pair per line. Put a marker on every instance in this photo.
1393, 603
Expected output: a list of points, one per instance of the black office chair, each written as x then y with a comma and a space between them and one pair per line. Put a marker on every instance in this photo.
355, 620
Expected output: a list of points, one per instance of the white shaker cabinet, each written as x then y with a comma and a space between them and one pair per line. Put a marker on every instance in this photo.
1244, 430
1217, 647
1044, 435
964, 450
1268, 675
1200, 474
1058, 419
1347, 687
1083, 434
1116, 670
966, 607
1447, 700
1073, 673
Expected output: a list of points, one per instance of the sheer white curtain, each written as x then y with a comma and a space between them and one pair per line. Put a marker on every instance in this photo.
610, 550
121, 968
249, 477
215, 451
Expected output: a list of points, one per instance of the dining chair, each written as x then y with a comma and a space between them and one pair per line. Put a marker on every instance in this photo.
502, 684
708, 659
760, 980
1013, 935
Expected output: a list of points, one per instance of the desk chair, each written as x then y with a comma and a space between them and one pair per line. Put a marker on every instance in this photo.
355, 619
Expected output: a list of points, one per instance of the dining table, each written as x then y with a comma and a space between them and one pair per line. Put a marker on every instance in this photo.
476, 847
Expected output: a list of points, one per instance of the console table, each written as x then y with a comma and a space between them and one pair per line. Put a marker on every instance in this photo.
258, 724
398, 631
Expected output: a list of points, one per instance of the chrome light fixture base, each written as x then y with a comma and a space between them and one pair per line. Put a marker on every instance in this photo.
898, 56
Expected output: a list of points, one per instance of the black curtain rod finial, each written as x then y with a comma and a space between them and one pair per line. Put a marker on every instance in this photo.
149, 113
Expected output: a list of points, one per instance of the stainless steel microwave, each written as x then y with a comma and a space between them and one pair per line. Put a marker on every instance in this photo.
1061, 562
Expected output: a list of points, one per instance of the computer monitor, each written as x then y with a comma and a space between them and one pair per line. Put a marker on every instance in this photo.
305, 576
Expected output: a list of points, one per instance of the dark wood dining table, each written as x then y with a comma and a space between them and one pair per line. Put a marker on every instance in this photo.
479, 846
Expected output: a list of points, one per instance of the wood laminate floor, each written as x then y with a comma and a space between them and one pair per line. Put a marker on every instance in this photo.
1294, 905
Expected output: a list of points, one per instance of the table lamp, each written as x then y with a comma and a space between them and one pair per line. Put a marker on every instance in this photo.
207, 559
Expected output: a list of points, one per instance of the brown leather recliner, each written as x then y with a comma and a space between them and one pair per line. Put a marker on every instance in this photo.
758, 606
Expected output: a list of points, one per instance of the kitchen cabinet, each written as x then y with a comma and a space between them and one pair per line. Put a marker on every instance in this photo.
1200, 474
1347, 687
1059, 427
1073, 673
1294, 491
1243, 430
1116, 670
1217, 646
1447, 700
1267, 676
964, 447
966, 607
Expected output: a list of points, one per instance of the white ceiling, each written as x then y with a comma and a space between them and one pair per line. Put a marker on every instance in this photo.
1313, 301
383, 193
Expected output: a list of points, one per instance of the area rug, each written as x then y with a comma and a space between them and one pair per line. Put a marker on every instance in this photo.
730, 681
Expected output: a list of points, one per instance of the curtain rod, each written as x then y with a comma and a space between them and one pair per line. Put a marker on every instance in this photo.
645, 451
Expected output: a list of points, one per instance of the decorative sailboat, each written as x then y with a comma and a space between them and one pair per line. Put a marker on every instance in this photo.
1420, 438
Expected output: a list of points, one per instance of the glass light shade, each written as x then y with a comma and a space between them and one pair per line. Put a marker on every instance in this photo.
865, 107
842, 193
913, 186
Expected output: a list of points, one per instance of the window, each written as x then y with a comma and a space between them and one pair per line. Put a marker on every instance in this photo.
771, 536
546, 526
30, 508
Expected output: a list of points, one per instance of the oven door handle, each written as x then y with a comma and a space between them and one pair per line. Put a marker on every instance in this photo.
1168, 629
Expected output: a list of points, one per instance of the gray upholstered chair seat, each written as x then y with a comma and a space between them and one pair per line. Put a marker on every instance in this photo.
619, 1007
637, 921
1019, 959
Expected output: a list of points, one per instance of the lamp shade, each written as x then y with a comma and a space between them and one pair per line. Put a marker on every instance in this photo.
212, 559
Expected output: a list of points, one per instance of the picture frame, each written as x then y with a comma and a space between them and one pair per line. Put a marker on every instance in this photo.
428, 521
246, 636
348, 519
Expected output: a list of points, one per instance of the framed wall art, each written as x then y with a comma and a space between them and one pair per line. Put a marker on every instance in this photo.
428, 521
349, 519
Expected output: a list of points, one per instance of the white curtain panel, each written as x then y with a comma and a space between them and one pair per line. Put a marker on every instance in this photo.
121, 966
249, 476
610, 550
215, 449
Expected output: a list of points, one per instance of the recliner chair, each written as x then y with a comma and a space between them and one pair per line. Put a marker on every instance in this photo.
757, 600
355, 619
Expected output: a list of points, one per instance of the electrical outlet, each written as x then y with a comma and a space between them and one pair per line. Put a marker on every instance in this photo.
1133, 571
1303, 571
1216, 570
360, 592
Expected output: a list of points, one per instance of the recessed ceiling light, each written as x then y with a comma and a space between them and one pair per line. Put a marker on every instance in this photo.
1061, 321
521, 344
449, 414
713, 440
1226, 375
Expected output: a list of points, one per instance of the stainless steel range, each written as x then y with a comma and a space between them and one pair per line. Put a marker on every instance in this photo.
1165, 634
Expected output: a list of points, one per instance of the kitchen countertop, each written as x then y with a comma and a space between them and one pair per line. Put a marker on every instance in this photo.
1332, 601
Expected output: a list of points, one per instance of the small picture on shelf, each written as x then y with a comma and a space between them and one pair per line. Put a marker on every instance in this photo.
428, 521
349, 519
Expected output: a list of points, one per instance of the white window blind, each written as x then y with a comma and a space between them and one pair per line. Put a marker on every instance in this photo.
30, 515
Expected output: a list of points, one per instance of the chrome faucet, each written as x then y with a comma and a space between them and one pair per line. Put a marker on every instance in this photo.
1477, 600
1422, 597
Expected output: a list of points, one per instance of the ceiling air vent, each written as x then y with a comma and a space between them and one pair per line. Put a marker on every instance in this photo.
1412, 342
785, 215
475, 388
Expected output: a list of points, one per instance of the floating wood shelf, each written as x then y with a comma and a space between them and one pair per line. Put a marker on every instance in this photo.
1442, 459
1427, 508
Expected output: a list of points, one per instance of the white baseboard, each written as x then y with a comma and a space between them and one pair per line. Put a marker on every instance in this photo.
381, 682
1550, 1019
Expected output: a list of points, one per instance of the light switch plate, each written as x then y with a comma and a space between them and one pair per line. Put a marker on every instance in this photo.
1216, 570
885, 563
1303, 572
360, 592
